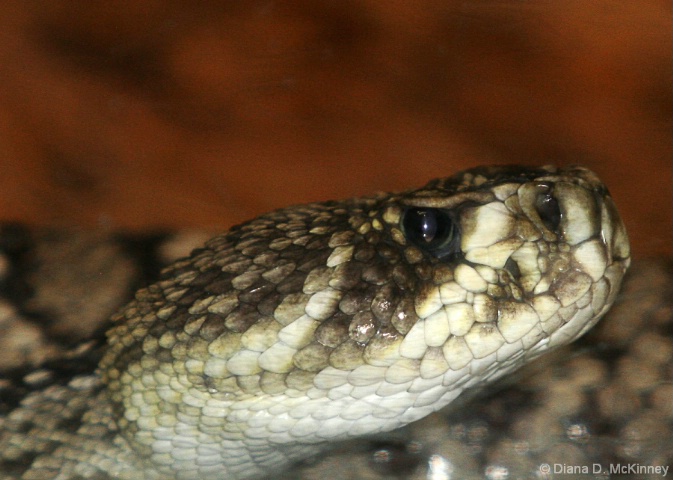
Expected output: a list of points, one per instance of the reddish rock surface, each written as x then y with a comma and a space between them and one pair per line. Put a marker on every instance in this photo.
155, 114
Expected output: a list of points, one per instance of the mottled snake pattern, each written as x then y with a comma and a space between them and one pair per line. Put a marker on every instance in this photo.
320, 323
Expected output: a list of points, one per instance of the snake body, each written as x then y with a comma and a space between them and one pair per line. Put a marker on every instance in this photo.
328, 321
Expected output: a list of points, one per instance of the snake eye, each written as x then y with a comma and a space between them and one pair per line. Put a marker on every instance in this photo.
432, 230
548, 208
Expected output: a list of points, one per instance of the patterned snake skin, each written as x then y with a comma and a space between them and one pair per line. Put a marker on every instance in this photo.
309, 325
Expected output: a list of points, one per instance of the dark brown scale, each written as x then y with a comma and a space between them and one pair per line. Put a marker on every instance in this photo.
378, 274
293, 253
403, 277
315, 260
346, 276
373, 237
158, 328
313, 357
268, 304
442, 274
364, 252
347, 356
384, 303
257, 292
388, 252
404, 317
292, 284
357, 300
219, 286
316, 244
190, 297
362, 327
212, 327
333, 331
300, 379
172, 323
273, 383
164, 355
424, 272
206, 278
242, 318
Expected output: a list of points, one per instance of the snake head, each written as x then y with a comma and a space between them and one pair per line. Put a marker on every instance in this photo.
494, 267
332, 320
528, 249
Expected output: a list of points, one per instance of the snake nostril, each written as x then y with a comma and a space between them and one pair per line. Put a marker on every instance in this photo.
547, 207
513, 268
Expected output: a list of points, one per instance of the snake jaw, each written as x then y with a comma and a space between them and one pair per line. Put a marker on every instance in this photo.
333, 320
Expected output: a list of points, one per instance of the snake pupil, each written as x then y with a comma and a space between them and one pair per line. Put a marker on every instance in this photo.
548, 208
427, 225
431, 229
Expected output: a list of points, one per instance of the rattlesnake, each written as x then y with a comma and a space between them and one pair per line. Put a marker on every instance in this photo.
319, 323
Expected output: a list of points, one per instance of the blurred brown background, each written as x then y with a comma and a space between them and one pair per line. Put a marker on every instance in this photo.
153, 114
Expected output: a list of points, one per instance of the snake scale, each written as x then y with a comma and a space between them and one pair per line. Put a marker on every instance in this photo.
319, 323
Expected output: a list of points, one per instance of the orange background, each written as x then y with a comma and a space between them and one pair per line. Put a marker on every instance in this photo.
144, 115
